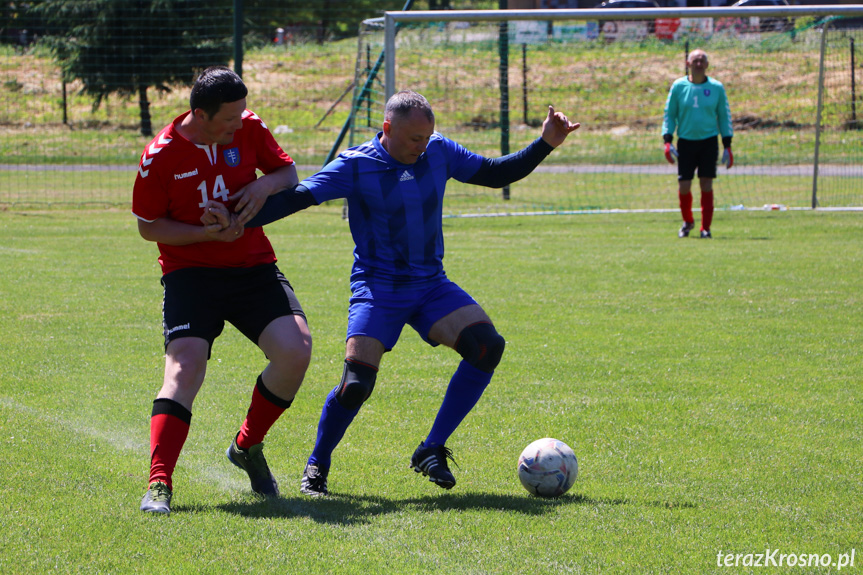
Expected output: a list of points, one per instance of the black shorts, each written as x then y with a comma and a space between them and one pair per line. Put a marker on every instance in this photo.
198, 301
697, 154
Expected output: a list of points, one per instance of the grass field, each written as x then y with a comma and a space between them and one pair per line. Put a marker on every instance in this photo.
711, 390
551, 188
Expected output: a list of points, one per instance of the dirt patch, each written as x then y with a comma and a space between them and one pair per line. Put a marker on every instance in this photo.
752, 122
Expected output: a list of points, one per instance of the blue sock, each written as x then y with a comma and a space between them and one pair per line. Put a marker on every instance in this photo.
332, 426
465, 389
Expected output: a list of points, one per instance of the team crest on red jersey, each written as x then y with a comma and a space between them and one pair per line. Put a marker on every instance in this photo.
232, 157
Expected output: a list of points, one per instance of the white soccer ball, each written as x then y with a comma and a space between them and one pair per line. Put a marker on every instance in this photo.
547, 467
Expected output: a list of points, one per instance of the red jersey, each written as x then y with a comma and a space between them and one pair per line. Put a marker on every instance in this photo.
176, 178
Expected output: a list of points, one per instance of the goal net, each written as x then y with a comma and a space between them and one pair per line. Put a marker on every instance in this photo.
792, 79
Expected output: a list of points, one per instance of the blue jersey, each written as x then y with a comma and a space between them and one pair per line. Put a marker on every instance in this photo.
395, 209
697, 111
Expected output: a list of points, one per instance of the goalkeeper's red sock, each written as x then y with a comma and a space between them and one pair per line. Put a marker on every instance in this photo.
706, 210
169, 427
263, 412
686, 207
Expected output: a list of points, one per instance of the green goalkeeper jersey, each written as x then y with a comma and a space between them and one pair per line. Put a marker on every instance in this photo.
697, 111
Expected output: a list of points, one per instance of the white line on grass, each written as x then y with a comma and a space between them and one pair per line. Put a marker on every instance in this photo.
219, 472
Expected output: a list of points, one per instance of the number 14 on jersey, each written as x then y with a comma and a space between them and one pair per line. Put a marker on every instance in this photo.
220, 192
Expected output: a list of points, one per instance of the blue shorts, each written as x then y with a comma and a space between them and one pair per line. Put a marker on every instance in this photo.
382, 314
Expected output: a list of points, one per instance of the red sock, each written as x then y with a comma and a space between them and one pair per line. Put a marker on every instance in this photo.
263, 412
706, 209
686, 207
169, 427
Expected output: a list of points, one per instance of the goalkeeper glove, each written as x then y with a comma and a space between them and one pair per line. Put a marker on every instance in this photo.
670, 152
728, 158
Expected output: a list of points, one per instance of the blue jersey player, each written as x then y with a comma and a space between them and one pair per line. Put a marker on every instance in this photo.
697, 107
394, 185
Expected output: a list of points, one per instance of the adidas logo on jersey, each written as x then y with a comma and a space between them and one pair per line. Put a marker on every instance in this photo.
406, 176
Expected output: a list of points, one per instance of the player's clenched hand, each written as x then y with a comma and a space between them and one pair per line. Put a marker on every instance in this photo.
219, 224
216, 216
234, 231
557, 127
250, 200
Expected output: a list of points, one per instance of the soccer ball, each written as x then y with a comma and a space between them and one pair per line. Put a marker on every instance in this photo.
547, 467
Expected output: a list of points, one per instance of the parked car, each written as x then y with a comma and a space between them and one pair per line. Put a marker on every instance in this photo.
639, 28
771, 24
628, 4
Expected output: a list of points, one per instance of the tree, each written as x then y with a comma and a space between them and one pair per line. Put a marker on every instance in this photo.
128, 46
18, 24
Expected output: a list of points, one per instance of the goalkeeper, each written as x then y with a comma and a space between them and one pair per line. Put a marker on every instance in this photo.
395, 185
697, 107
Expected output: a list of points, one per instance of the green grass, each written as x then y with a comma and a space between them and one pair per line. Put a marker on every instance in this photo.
542, 191
710, 390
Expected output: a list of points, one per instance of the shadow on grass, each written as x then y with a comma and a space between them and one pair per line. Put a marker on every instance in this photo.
358, 509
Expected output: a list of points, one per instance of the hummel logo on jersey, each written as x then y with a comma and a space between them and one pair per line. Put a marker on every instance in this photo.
406, 176
184, 326
186, 174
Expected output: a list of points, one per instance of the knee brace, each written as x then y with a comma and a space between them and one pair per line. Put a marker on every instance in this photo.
481, 346
358, 381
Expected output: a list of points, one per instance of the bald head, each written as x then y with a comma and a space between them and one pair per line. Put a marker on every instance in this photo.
697, 63
697, 55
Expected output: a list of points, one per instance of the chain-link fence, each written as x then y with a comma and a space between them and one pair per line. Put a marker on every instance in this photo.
792, 82
85, 83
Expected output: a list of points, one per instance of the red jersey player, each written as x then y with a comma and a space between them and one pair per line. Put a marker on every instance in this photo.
212, 275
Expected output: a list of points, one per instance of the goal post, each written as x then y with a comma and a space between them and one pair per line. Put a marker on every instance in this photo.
392, 18
793, 147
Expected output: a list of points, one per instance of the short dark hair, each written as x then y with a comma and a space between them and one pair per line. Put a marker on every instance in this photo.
215, 86
401, 103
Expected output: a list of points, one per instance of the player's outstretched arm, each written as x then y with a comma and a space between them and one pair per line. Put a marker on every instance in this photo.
286, 202
557, 127
252, 197
217, 217
505, 170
